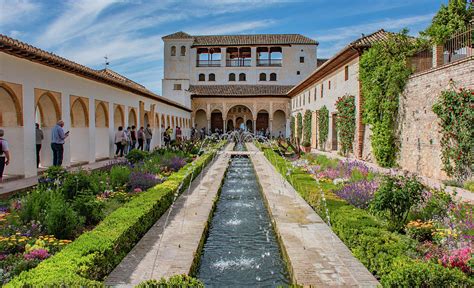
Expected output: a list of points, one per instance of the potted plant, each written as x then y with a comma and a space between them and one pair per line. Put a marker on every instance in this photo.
306, 146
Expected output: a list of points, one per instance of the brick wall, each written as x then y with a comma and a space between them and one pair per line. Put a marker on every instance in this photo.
419, 137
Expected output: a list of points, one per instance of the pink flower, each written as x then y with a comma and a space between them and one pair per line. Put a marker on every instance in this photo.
458, 258
40, 254
137, 190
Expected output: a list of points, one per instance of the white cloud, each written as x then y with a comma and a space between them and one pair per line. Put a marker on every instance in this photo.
16, 11
231, 28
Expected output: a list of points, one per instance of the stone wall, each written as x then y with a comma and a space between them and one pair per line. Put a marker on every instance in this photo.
419, 137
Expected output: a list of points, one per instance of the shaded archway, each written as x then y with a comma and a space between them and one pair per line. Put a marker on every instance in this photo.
102, 141
279, 123
216, 121
168, 121
163, 121
238, 122
200, 120
119, 117
11, 122
262, 122
132, 118
230, 125
47, 115
146, 119
79, 136
249, 125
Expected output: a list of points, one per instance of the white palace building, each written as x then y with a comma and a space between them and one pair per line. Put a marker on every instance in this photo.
211, 82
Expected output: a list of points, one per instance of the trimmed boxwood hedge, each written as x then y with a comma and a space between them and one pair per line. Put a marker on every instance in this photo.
385, 254
94, 254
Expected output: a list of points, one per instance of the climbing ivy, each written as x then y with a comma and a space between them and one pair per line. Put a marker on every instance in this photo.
383, 74
455, 110
300, 127
292, 127
323, 126
346, 121
307, 126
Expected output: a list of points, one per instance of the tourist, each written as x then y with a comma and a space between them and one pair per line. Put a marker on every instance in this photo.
193, 133
126, 148
280, 135
148, 137
178, 134
133, 137
57, 142
39, 139
120, 141
203, 133
141, 138
4, 154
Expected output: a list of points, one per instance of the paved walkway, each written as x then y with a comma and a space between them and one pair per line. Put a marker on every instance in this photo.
461, 194
317, 256
170, 246
22, 184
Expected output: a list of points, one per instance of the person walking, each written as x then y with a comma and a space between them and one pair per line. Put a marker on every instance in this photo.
39, 140
4, 154
166, 136
141, 138
126, 148
178, 134
133, 137
120, 141
148, 137
57, 143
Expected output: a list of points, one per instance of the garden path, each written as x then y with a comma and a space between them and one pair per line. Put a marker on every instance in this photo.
170, 246
317, 257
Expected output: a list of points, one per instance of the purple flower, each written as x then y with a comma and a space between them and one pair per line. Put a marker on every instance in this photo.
142, 180
40, 254
358, 193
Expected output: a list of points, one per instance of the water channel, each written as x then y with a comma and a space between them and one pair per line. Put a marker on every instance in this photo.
241, 249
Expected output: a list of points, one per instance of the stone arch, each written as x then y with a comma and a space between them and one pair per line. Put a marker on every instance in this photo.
279, 123
132, 117
79, 114
119, 117
48, 109
101, 115
244, 105
200, 119
11, 110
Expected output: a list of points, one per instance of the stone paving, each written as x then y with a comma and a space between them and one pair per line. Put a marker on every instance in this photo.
170, 246
317, 257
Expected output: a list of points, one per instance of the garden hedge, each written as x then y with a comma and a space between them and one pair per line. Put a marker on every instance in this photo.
385, 254
94, 254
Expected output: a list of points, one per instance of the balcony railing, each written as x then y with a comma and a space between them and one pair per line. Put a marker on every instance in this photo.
269, 62
458, 47
240, 62
208, 63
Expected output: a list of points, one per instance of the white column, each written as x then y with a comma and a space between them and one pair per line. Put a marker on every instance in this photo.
254, 125
112, 129
223, 57
66, 117
29, 134
92, 133
253, 61
270, 126
287, 126
208, 125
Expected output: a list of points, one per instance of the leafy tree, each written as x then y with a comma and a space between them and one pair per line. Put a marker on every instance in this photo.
292, 128
307, 126
299, 133
346, 120
449, 19
323, 126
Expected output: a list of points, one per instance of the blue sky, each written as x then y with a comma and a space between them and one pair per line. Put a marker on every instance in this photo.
129, 31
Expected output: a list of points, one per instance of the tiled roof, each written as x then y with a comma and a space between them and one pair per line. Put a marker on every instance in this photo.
239, 90
255, 39
22, 50
371, 39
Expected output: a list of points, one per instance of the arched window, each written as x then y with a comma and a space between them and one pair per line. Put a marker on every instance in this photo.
202, 77
231, 77
242, 77
263, 77
212, 77
173, 50
183, 50
273, 77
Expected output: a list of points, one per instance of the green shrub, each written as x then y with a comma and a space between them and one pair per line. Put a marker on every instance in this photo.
299, 132
80, 181
395, 198
469, 185
412, 273
433, 206
87, 206
308, 115
119, 176
174, 281
60, 219
33, 205
306, 144
96, 253
136, 156
323, 126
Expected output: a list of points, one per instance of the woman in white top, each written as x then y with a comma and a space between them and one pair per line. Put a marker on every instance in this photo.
120, 141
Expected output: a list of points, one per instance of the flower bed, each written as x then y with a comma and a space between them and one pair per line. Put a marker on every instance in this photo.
391, 255
95, 253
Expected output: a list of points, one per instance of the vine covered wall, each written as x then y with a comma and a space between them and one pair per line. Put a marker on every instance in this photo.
299, 129
307, 126
323, 126
346, 121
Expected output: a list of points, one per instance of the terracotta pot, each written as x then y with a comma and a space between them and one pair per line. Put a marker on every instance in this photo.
306, 149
